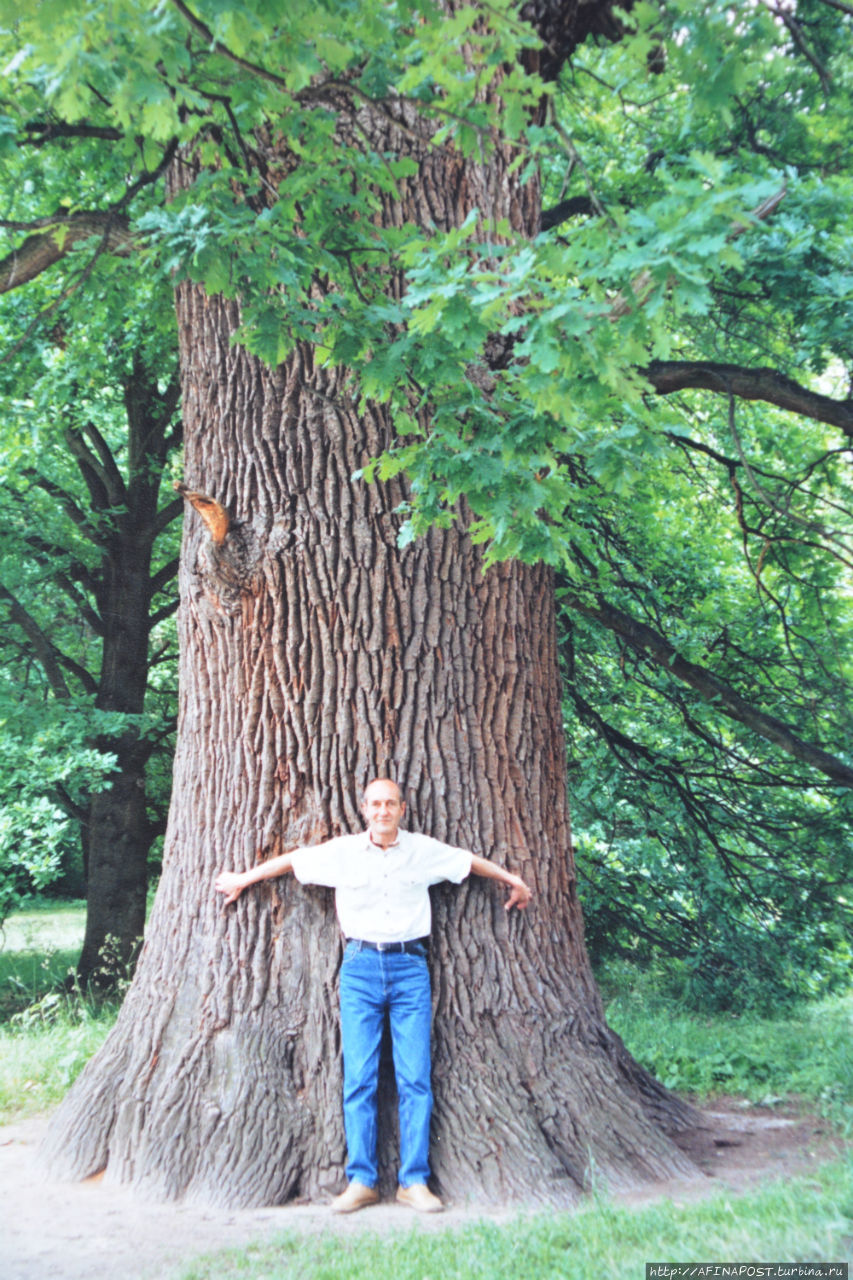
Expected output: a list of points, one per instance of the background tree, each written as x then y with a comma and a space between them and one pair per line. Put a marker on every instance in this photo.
87, 581
383, 261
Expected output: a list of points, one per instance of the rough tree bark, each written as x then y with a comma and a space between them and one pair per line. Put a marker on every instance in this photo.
315, 655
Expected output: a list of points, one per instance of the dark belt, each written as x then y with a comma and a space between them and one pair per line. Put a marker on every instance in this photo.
412, 947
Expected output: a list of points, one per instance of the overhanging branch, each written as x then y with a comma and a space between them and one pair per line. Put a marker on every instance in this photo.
37, 133
45, 651
651, 644
50, 658
58, 233
768, 385
566, 209
41, 250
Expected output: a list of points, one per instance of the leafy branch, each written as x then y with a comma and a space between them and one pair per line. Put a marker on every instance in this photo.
645, 640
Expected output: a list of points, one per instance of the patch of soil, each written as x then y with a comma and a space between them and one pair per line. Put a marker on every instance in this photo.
742, 1147
95, 1230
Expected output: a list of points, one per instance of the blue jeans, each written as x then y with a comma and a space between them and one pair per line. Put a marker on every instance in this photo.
373, 983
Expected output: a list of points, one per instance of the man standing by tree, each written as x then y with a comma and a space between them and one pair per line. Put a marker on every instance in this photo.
382, 878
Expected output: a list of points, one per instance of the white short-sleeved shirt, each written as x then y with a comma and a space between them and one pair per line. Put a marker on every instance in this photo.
382, 895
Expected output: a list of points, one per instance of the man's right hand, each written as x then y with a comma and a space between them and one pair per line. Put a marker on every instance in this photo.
232, 884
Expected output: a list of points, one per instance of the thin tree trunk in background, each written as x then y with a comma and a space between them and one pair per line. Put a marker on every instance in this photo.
119, 833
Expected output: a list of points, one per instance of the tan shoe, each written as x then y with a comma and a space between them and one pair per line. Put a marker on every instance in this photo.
419, 1197
356, 1196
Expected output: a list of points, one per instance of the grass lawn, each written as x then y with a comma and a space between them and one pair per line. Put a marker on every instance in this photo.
807, 1054
38, 946
805, 1219
46, 1034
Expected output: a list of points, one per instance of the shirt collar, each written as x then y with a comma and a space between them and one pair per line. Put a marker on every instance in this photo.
370, 843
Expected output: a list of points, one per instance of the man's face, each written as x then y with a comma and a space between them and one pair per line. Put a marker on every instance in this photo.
383, 808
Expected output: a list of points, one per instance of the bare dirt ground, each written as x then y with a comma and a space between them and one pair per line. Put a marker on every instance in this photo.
97, 1231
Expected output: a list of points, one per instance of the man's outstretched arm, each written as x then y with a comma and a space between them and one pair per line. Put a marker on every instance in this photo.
520, 895
232, 883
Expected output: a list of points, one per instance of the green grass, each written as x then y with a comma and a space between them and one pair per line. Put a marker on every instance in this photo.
45, 923
38, 947
47, 1034
39, 1061
806, 1055
802, 1219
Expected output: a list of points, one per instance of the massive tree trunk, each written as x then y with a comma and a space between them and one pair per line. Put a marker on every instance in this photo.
315, 655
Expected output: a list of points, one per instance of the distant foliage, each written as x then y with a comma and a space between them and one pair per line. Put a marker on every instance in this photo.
49, 766
719, 528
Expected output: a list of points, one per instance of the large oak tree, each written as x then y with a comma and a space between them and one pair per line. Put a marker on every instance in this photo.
351, 221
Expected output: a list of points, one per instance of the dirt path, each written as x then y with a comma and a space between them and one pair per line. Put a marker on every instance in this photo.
97, 1231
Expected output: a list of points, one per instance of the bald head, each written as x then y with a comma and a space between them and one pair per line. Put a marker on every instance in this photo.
383, 807
383, 782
